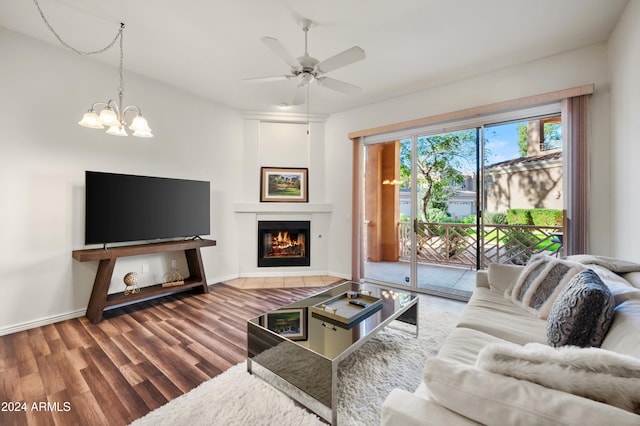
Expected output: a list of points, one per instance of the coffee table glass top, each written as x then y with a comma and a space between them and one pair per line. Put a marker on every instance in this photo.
301, 324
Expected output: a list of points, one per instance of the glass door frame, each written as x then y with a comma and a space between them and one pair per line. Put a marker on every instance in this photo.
475, 123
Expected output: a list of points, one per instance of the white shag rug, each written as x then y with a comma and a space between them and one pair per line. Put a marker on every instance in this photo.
391, 359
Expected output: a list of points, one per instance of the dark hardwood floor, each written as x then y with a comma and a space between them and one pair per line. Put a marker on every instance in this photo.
137, 359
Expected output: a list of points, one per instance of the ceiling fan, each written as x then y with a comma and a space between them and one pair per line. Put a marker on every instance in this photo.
307, 69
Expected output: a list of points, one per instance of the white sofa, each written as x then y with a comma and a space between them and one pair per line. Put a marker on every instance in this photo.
455, 391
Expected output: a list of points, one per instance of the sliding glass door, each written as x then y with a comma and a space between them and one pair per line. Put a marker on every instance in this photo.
441, 203
420, 206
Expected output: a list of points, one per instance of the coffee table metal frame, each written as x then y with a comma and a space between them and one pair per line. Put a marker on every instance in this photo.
304, 374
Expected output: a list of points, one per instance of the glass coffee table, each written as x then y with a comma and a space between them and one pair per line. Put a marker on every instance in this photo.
299, 347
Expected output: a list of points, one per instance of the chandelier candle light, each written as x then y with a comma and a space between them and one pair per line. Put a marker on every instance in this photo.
111, 113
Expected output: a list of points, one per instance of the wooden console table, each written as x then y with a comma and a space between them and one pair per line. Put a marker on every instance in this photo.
100, 299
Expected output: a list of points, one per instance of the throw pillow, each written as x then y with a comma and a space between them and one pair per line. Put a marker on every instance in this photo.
582, 313
540, 283
494, 399
593, 373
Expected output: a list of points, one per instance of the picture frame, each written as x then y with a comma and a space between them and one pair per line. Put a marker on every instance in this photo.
284, 184
290, 323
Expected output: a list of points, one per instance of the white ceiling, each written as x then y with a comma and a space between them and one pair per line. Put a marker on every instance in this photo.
208, 46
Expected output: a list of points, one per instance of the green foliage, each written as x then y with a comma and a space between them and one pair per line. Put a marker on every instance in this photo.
436, 215
495, 218
523, 139
519, 217
404, 217
521, 240
538, 217
441, 160
546, 217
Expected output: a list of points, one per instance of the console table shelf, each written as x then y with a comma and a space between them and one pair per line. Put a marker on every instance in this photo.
100, 299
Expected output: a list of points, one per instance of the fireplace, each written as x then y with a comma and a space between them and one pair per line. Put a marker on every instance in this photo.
284, 243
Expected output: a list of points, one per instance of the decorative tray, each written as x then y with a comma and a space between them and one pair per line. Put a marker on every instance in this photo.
339, 311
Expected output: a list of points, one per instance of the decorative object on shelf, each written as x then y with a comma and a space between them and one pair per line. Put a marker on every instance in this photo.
131, 283
284, 184
111, 114
172, 278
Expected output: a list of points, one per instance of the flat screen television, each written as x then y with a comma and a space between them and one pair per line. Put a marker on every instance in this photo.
122, 208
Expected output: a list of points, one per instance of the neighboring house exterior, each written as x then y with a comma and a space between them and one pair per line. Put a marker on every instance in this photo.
534, 181
526, 182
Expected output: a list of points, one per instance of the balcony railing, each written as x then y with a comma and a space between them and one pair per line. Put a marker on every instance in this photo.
456, 243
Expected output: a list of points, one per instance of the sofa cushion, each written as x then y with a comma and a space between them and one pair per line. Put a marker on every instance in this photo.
413, 409
593, 373
489, 312
463, 345
582, 313
633, 278
620, 288
494, 399
624, 333
540, 283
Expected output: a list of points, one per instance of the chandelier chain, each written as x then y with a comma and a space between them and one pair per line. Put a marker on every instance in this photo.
80, 52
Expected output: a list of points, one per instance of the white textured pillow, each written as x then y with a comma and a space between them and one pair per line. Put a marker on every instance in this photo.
540, 283
593, 373
503, 277
493, 399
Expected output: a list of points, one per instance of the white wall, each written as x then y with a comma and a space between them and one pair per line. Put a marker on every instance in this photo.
44, 154
624, 63
269, 143
571, 69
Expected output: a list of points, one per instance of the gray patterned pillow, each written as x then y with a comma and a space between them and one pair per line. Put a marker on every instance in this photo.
582, 313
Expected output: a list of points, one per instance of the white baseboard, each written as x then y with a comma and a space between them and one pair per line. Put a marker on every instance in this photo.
40, 322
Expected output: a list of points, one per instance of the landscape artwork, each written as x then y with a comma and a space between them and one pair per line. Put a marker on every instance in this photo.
290, 323
284, 185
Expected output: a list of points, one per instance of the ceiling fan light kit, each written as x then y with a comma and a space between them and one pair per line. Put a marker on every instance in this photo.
306, 69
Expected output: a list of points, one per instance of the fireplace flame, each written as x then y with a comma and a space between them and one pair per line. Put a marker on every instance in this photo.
282, 244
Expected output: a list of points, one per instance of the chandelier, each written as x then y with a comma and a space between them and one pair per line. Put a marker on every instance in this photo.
113, 115
110, 114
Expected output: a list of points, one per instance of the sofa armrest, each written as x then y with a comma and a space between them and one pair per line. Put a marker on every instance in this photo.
482, 279
408, 409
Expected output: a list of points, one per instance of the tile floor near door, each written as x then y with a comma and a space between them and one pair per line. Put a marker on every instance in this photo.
282, 282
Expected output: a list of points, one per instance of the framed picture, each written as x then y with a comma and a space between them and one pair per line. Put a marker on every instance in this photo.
284, 184
289, 323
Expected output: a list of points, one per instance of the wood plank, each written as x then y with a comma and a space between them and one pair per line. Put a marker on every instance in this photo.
139, 249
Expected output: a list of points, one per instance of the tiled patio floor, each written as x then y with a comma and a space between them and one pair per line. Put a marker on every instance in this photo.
446, 279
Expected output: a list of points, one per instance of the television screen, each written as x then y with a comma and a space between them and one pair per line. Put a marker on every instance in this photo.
121, 208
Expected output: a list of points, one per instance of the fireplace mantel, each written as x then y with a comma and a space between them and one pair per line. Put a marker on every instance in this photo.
292, 208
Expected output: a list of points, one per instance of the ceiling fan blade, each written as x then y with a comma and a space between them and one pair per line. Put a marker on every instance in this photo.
268, 79
342, 59
340, 86
300, 96
279, 50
